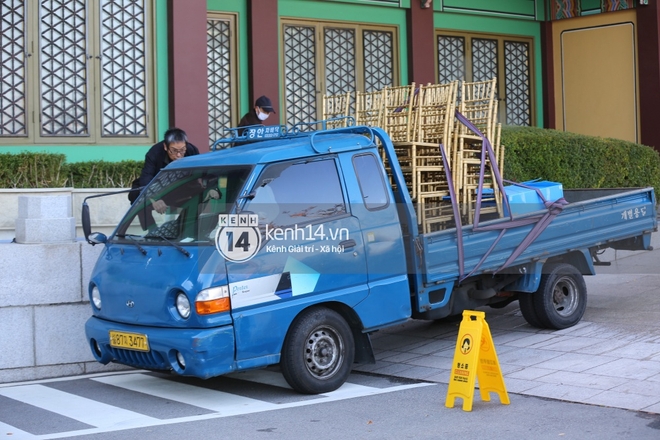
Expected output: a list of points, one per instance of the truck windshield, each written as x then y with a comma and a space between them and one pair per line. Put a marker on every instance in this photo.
182, 206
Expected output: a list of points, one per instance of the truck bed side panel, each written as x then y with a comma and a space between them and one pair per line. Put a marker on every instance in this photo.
581, 225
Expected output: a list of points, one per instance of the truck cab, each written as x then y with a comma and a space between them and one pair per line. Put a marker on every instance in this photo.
285, 251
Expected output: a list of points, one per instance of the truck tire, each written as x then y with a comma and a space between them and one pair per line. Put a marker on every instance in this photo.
318, 352
561, 298
526, 303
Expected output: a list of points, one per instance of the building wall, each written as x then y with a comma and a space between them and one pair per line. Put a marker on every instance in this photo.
259, 42
119, 150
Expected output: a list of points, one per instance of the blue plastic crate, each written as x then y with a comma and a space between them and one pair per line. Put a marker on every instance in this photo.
524, 200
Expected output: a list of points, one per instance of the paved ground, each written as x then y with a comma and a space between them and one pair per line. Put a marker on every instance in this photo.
611, 358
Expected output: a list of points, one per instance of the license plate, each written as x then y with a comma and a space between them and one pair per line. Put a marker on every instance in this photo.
129, 341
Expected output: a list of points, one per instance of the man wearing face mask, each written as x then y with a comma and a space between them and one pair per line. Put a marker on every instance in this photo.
262, 110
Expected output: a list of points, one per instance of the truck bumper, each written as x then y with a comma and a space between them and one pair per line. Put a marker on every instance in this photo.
206, 352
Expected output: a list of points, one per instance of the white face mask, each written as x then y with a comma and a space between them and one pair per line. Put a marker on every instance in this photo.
262, 116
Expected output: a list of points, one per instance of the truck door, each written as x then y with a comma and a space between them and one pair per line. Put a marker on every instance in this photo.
311, 250
373, 205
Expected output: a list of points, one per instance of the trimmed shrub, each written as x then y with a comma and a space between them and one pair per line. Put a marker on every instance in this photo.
48, 170
100, 174
578, 161
32, 170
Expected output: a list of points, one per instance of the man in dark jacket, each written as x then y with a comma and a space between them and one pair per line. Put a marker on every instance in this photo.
174, 146
261, 111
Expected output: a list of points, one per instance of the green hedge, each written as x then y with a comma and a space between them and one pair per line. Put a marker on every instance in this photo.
100, 174
32, 170
47, 170
578, 161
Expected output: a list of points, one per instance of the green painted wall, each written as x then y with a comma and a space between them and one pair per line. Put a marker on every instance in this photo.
336, 10
514, 7
502, 26
589, 7
121, 151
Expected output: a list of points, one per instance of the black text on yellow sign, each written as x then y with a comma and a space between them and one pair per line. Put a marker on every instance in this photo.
475, 357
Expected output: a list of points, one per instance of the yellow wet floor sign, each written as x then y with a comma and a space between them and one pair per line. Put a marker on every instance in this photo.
474, 358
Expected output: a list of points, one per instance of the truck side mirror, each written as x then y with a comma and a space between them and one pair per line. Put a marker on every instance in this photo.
94, 237
97, 238
91, 237
86, 222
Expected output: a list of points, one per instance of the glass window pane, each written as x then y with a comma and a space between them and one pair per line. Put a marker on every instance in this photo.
191, 200
123, 68
218, 56
451, 59
300, 74
370, 178
378, 60
295, 193
517, 83
12, 69
484, 59
339, 60
63, 84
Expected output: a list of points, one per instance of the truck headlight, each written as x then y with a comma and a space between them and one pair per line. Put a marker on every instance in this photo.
96, 297
213, 300
183, 305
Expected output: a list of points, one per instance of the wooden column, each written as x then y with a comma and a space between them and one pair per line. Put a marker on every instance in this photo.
648, 45
263, 54
422, 47
548, 75
188, 72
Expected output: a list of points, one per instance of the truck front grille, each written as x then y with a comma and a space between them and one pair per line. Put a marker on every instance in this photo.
151, 360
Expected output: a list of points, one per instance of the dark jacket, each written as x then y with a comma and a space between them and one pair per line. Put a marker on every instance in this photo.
250, 118
156, 159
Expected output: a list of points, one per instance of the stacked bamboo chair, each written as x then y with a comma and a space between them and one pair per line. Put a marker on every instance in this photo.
335, 106
369, 108
434, 118
479, 105
398, 121
418, 119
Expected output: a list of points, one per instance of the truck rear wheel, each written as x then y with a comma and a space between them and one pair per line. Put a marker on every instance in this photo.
526, 303
318, 352
561, 298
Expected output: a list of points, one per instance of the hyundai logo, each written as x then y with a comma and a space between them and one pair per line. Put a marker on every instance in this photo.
130, 303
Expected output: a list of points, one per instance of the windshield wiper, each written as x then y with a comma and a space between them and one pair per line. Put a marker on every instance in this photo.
181, 249
134, 241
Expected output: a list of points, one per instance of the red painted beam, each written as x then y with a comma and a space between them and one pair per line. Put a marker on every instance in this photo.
648, 44
188, 77
422, 46
264, 73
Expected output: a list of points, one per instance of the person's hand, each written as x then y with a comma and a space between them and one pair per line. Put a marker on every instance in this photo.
212, 194
159, 206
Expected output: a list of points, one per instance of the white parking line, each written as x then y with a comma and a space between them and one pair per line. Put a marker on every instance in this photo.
107, 418
217, 401
10, 432
78, 408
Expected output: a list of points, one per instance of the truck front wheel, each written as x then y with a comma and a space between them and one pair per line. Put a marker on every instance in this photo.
318, 352
561, 299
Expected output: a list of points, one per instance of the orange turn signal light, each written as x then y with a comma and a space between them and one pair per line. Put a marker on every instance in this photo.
212, 306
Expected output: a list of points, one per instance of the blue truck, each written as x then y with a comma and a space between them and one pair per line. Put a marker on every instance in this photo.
293, 250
